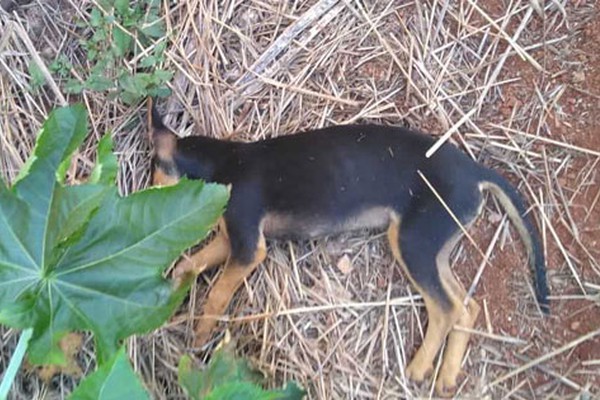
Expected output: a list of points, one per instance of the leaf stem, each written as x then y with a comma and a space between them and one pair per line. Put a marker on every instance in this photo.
15, 363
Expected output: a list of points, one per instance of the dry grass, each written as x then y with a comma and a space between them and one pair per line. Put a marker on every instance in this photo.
255, 69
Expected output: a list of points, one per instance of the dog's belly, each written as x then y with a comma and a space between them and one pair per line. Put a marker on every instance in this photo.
276, 225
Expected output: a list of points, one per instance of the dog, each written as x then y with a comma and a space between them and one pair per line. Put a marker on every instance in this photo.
331, 180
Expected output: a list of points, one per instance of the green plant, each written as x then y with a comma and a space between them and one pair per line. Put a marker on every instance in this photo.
36, 77
83, 258
61, 66
227, 377
121, 30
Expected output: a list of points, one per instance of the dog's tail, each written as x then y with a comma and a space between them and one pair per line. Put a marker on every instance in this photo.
512, 202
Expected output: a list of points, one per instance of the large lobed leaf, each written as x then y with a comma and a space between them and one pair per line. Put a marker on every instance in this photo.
84, 258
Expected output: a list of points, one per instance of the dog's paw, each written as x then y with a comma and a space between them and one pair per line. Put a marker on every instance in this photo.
183, 269
417, 370
445, 385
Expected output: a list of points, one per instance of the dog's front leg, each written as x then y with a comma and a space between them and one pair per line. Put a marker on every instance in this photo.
210, 256
223, 290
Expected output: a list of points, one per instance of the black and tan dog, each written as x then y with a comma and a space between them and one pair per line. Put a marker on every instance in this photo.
343, 178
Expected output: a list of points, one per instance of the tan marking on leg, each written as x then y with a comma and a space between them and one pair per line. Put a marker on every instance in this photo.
210, 256
222, 292
455, 350
457, 340
440, 321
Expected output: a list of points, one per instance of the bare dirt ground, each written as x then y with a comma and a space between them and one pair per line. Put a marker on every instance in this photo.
520, 80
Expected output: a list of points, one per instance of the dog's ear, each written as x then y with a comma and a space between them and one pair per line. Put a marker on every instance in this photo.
163, 139
156, 126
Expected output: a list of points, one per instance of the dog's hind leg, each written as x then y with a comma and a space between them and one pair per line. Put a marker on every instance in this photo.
422, 244
457, 339
419, 265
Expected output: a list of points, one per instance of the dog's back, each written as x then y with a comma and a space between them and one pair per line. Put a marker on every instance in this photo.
332, 178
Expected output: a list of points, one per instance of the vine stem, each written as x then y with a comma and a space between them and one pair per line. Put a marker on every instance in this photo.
15, 363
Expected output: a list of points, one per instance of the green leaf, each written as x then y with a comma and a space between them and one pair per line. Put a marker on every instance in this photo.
135, 83
106, 168
190, 379
229, 377
154, 29
61, 66
113, 380
106, 4
134, 86
73, 208
37, 76
240, 391
114, 273
148, 62
95, 18
25, 168
61, 171
74, 86
159, 50
67, 127
163, 75
122, 6
18, 314
84, 258
62, 133
122, 41
223, 367
92, 53
250, 391
160, 91
292, 392
99, 83
130, 98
